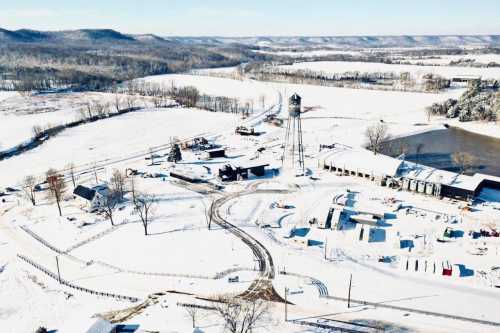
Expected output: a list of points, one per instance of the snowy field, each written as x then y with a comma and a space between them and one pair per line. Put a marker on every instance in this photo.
113, 138
25, 112
338, 110
419, 71
446, 59
311, 53
243, 90
342, 114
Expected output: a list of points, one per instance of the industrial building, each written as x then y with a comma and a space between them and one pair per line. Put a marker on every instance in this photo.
235, 172
409, 176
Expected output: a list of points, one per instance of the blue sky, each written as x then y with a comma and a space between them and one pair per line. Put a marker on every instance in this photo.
258, 17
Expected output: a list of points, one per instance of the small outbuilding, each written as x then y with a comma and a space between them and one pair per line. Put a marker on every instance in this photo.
214, 153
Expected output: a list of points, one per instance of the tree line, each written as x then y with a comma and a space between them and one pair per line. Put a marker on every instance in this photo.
45, 66
353, 79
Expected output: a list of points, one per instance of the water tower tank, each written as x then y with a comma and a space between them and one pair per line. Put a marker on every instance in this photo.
294, 105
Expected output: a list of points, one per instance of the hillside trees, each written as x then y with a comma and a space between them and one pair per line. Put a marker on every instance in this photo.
42, 66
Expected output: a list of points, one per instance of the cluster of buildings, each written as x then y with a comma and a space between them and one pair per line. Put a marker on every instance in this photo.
409, 176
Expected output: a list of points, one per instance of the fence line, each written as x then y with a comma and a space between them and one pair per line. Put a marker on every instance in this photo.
41, 240
423, 312
74, 286
88, 240
197, 306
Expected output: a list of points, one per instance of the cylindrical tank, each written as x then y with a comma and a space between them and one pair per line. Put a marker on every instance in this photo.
294, 105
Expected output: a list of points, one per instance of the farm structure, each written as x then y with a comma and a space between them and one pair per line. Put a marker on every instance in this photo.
186, 176
232, 172
409, 176
92, 198
214, 153
245, 131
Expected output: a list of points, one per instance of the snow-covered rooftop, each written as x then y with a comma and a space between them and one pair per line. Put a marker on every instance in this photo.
429, 174
364, 161
361, 160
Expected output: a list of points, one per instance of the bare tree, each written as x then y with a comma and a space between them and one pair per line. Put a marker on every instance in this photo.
110, 202
133, 189
89, 108
241, 316
100, 108
94, 171
130, 100
117, 102
429, 111
192, 312
463, 161
57, 186
262, 100
145, 205
37, 131
377, 135
118, 184
152, 155
71, 170
418, 151
29, 185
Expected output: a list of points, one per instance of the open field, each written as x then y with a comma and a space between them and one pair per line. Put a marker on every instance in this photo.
105, 140
418, 71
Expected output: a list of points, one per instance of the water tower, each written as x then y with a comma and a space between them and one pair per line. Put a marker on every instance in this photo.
293, 150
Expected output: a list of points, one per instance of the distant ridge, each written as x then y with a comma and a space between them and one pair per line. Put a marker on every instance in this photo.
72, 36
370, 41
109, 35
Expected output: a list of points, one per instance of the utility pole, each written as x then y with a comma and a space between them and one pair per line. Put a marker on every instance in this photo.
58, 271
95, 174
326, 245
286, 304
349, 294
210, 213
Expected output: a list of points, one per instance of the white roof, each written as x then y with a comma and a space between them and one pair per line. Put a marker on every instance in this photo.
429, 174
83, 324
101, 326
487, 177
361, 160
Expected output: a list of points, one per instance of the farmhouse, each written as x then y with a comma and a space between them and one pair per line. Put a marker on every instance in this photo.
406, 175
92, 198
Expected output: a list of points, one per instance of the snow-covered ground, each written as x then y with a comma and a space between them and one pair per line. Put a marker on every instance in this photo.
418, 71
243, 90
43, 110
113, 138
311, 53
446, 59
181, 255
